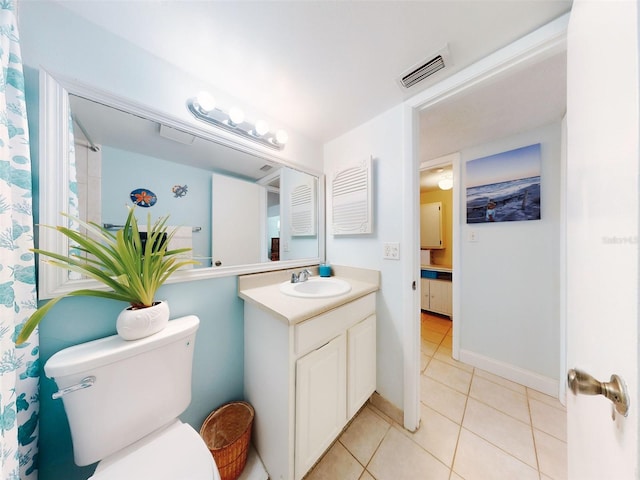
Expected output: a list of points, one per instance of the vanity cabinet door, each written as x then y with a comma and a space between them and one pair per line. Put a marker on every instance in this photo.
440, 296
321, 401
361, 374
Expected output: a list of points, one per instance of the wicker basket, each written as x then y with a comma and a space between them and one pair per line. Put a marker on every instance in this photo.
227, 431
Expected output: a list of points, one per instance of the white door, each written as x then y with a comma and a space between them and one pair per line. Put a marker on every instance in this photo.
602, 229
238, 210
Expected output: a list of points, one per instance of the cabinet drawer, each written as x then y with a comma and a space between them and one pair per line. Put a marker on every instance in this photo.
319, 330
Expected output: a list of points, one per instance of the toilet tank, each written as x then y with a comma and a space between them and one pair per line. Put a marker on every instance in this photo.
139, 386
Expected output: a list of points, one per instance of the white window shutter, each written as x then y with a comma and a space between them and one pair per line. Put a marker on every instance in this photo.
351, 194
303, 209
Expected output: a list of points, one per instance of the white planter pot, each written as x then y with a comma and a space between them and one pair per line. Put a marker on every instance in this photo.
133, 324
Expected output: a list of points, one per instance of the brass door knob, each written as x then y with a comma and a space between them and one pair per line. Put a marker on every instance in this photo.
615, 389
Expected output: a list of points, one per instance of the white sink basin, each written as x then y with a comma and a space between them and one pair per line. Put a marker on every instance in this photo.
316, 287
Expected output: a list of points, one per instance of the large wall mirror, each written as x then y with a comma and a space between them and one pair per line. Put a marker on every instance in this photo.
239, 209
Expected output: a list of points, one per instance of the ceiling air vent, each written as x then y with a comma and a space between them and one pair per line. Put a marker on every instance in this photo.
422, 72
425, 69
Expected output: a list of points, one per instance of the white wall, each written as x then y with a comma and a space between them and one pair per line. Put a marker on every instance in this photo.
510, 278
381, 138
91, 55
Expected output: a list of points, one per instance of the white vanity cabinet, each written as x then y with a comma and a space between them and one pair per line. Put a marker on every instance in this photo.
307, 380
436, 296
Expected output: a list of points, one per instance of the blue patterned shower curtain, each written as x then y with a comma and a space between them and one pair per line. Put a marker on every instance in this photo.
19, 366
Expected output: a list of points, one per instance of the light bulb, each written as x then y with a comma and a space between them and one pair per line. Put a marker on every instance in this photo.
206, 102
446, 184
236, 116
261, 128
281, 137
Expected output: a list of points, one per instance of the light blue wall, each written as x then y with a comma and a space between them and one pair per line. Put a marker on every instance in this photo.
218, 358
510, 278
63, 43
124, 171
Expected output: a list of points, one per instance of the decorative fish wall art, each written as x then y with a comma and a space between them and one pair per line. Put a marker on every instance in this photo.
143, 197
179, 191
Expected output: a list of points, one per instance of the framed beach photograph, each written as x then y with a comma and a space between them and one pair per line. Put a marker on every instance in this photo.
504, 187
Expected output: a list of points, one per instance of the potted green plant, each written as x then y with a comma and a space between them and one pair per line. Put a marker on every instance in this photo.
133, 270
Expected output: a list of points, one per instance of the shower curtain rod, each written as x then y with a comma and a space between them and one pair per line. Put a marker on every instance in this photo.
92, 146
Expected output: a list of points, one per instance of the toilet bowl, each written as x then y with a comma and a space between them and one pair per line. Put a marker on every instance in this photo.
123, 399
176, 452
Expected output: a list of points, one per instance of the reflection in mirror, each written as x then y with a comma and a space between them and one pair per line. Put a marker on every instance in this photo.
122, 159
272, 184
235, 208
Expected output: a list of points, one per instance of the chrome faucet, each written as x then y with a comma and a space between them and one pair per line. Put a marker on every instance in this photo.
303, 276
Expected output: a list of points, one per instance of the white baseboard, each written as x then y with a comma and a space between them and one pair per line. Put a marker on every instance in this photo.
519, 375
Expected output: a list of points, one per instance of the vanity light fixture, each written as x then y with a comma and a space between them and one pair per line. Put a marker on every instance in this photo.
236, 116
206, 102
282, 137
203, 107
261, 127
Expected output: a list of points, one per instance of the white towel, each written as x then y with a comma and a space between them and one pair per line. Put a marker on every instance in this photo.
182, 238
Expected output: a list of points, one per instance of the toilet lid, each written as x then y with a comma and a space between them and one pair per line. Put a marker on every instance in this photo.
176, 452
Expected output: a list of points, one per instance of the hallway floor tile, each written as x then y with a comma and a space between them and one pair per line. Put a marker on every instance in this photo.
474, 426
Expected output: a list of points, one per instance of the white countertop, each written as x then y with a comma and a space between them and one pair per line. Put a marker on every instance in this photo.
437, 268
263, 291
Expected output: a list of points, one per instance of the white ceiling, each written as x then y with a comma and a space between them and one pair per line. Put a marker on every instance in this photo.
519, 101
324, 67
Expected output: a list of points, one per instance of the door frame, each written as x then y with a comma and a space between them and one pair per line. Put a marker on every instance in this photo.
455, 160
548, 40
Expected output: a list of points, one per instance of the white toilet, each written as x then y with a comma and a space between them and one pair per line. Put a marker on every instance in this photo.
123, 399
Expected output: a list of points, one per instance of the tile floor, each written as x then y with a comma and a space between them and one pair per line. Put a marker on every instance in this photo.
475, 426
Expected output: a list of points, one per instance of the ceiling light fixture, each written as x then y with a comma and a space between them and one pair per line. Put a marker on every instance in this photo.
203, 107
445, 183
